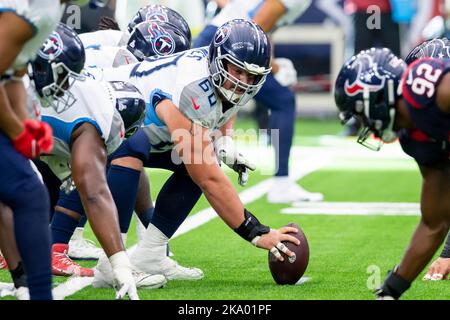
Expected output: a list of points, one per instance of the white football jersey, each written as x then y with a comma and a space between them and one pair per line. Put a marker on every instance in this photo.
95, 104
182, 78
42, 15
109, 38
237, 9
108, 57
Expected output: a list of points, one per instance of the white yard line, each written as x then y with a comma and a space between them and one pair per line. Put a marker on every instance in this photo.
355, 208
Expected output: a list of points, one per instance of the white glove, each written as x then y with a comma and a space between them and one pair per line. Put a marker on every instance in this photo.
123, 276
227, 153
286, 75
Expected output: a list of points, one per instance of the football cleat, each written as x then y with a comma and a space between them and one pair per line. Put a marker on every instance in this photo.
22, 293
150, 257
285, 190
83, 249
62, 265
104, 277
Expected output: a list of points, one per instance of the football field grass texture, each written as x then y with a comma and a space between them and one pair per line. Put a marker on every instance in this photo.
349, 254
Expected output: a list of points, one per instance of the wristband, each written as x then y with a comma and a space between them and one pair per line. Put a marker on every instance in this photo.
251, 227
446, 251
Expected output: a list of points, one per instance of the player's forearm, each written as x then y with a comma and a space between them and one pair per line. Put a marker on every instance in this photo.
220, 193
102, 214
269, 13
18, 97
10, 123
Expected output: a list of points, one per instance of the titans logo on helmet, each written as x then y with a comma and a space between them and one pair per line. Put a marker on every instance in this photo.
371, 79
222, 35
52, 46
156, 15
162, 42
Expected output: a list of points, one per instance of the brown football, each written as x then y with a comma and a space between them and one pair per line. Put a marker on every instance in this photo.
289, 272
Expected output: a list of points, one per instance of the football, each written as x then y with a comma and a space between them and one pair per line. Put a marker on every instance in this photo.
290, 271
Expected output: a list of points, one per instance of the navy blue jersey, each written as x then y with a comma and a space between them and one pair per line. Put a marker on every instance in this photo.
425, 150
429, 143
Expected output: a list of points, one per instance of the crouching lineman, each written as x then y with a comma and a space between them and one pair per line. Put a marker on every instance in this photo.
89, 121
189, 94
145, 38
438, 49
154, 30
412, 103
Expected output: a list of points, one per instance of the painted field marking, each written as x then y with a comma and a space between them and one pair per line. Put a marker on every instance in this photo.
355, 208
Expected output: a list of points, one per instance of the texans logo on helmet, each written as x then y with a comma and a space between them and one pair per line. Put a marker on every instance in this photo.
222, 35
162, 42
52, 46
358, 80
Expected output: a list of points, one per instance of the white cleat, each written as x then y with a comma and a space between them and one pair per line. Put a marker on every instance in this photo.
83, 249
143, 280
285, 190
104, 277
173, 271
150, 257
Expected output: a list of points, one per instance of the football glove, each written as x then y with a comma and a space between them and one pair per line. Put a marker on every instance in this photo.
227, 153
286, 75
36, 138
124, 280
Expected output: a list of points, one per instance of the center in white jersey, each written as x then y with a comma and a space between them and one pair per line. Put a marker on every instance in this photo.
184, 79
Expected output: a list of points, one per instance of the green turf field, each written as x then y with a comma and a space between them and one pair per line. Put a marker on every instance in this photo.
342, 247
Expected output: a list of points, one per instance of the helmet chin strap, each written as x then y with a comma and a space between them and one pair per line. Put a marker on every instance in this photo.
389, 134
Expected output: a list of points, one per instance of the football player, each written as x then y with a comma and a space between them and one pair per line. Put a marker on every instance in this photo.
24, 25
118, 38
154, 30
190, 94
275, 93
439, 49
150, 38
89, 121
412, 103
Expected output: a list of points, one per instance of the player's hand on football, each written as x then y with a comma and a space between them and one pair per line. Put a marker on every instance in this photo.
272, 241
439, 270
227, 153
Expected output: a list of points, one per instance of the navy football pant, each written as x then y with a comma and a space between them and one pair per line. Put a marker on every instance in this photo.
174, 202
281, 103
24, 193
178, 195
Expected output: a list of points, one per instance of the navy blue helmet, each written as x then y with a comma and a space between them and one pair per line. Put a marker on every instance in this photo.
438, 48
57, 66
130, 104
157, 12
156, 38
245, 45
367, 89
